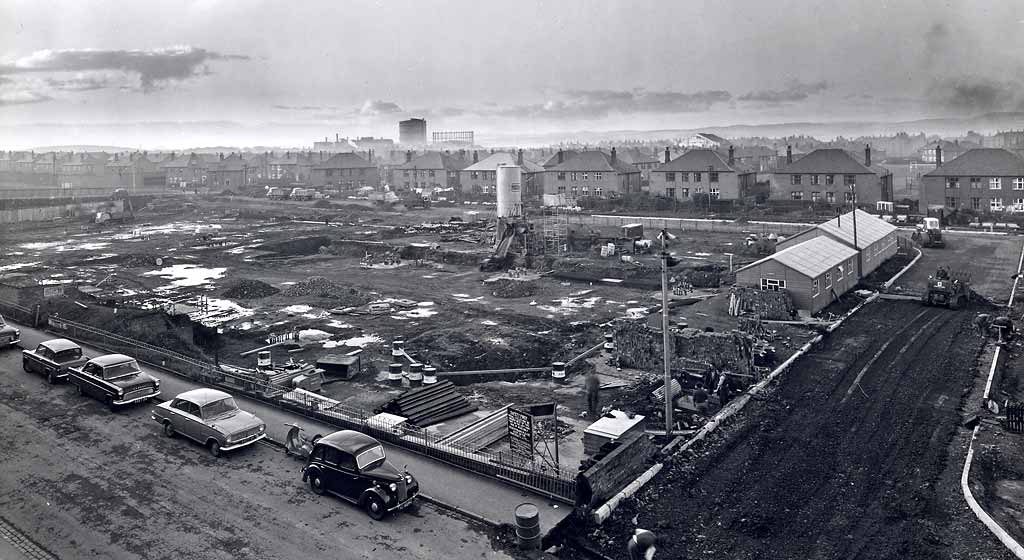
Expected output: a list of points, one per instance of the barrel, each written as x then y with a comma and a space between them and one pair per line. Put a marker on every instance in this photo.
395, 374
558, 372
429, 375
609, 342
415, 375
397, 350
528, 526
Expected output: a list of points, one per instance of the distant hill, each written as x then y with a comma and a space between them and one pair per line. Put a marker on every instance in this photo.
82, 148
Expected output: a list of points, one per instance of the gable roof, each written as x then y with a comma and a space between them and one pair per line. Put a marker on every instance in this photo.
491, 163
697, 160
595, 160
869, 228
345, 160
982, 161
553, 160
434, 160
829, 161
813, 257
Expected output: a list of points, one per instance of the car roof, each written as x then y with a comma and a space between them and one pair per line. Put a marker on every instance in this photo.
111, 359
203, 397
349, 440
59, 344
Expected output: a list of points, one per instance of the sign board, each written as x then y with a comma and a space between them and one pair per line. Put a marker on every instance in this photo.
53, 291
520, 433
540, 409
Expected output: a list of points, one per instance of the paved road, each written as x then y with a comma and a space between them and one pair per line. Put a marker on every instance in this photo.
85, 483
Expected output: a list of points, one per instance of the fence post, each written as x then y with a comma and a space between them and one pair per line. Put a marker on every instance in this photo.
35, 321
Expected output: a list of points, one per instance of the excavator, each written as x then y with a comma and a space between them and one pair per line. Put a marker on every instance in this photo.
504, 235
929, 233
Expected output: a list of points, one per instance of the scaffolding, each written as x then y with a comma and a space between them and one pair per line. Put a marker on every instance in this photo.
554, 231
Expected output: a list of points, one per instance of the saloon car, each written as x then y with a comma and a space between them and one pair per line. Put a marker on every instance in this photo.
211, 418
353, 466
53, 358
115, 379
9, 336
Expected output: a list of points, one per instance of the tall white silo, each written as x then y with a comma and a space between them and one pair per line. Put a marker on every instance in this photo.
510, 191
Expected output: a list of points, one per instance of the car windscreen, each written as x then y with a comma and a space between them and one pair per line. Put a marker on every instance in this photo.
118, 370
370, 457
68, 355
217, 408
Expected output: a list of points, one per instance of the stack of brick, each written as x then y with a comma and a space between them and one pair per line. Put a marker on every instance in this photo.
773, 306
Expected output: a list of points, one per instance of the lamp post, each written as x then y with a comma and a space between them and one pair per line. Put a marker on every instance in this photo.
853, 203
666, 262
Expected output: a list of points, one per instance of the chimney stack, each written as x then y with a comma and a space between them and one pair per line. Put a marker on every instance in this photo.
408, 156
337, 138
668, 155
613, 155
561, 156
732, 156
221, 156
519, 157
789, 154
371, 156
938, 155
462, 154
476, 157
867, 155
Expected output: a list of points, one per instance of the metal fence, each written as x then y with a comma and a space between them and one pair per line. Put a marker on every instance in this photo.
690, 224
18, 313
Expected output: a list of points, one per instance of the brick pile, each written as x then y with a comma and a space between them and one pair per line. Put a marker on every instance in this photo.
773, 306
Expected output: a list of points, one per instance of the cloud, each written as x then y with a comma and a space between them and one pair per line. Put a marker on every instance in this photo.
795, 91
377, 107
303, 107
153, 68
80, 83
974, 94
8, 98
593, 104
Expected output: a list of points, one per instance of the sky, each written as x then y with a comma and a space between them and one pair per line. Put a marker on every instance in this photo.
246, 73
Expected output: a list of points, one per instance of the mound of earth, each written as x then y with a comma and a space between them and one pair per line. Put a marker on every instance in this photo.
247, 288
318, 286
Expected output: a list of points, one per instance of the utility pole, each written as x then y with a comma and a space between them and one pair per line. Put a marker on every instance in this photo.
665, 334
853, 201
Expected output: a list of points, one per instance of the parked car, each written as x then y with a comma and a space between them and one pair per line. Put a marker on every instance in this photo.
9, 336
353, 466
114, 379
53, 358
211, 418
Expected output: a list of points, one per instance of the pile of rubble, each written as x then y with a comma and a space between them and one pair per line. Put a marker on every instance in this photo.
772, 306
707, 276
638, 346
513, 287
249, 289
318, 286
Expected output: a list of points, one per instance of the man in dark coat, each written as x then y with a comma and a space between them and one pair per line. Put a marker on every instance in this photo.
592, 384
641, 545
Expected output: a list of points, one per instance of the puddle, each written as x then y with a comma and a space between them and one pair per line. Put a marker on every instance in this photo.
313, 335
188, 274
297, 309
357, 341
16, 266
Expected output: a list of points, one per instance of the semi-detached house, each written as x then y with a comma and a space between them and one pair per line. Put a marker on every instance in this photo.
701, 171
984, 180
832, 176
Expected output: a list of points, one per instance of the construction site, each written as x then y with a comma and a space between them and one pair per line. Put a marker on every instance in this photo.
446, 323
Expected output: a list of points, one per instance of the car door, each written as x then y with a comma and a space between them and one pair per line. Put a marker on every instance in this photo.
92, 380
38, 359
348, 479
187, 419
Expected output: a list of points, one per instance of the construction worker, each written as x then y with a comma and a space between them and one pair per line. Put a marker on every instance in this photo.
700, 401
982, 323
592, 384
1004, 328
641, 545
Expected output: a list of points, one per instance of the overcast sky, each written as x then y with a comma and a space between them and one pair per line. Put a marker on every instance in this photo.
119, 72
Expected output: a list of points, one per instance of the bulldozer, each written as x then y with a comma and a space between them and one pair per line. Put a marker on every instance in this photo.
929, 234
947, 290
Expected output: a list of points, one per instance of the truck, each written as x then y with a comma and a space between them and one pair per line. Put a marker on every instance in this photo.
277, 193
299, 193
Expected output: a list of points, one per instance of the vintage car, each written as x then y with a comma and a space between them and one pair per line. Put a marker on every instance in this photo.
211, 418
53, 358
352, 466
9, 336
114, 379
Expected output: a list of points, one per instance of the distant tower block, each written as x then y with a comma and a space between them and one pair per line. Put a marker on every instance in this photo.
510, 192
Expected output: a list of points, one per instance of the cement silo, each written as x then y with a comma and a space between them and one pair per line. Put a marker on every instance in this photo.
510, 191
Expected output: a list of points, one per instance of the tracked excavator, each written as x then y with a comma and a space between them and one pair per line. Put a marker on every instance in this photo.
505, 234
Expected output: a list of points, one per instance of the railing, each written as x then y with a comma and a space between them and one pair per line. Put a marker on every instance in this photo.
18, 313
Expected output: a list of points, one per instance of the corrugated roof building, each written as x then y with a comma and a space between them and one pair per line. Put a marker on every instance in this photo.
876, 238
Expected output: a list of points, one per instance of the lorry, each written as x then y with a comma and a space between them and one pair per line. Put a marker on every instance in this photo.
299, 193
277, 193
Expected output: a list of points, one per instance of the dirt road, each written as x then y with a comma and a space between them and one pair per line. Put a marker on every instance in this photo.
847, 458
85, 483
990, 260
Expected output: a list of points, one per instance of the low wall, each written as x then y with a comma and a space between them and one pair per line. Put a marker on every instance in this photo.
689, 224
45, 213
614, 471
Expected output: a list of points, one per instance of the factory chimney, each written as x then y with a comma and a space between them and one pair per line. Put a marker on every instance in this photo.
668, 155
938, 155
867, 155
789, 154
732, 156
337, 138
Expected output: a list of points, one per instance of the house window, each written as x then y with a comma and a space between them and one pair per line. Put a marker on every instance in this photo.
815, 179
584, 175
713, 176
815, 195
975, 203
773, 284
815, 287
995, 183
849, 197
574, 190
1018, 184
828, 280
476, 174
950, 202
849, 267
586, 190
953, 183
995, 205
561, 175
797, 195
849, 180
597, 176
975, 182
698, 190
830, 197
670, 177
670, 192
839, 273
684, 177
1018, 205
714, 192
830, 179
794, 179
684, 192
561, 189
597, 191
696, 176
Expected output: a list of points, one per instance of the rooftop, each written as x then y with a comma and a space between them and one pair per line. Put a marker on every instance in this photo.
434, 160
869, 228
813, 257
594, 161
346, 160
830, 161
491, 163
982, 161
697, 160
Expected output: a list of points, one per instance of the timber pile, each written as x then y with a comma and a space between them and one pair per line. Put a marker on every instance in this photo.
638, 346
768, 305
481, 433
428, 405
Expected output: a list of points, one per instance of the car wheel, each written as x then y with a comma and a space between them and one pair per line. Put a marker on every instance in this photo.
25, 366
375, 507
214, 448
316, 484
78, 389
110, 404
51, 378
168, 429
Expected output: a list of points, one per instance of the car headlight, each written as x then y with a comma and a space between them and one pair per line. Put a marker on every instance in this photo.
393, 487
263, 428
408, 479
17, 332
157, 384
120, 392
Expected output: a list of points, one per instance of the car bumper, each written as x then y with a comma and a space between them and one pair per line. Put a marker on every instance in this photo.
403, 505
240, 444
137, 399
11, 342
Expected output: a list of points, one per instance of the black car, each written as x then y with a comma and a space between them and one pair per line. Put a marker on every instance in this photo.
352, 465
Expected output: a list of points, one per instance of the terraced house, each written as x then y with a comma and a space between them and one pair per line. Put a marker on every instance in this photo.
983, 180
481, 178
832, 176
702, 171
592, 173
432, 171
347, 171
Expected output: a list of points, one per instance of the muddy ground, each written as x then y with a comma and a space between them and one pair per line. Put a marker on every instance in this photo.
846, 458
